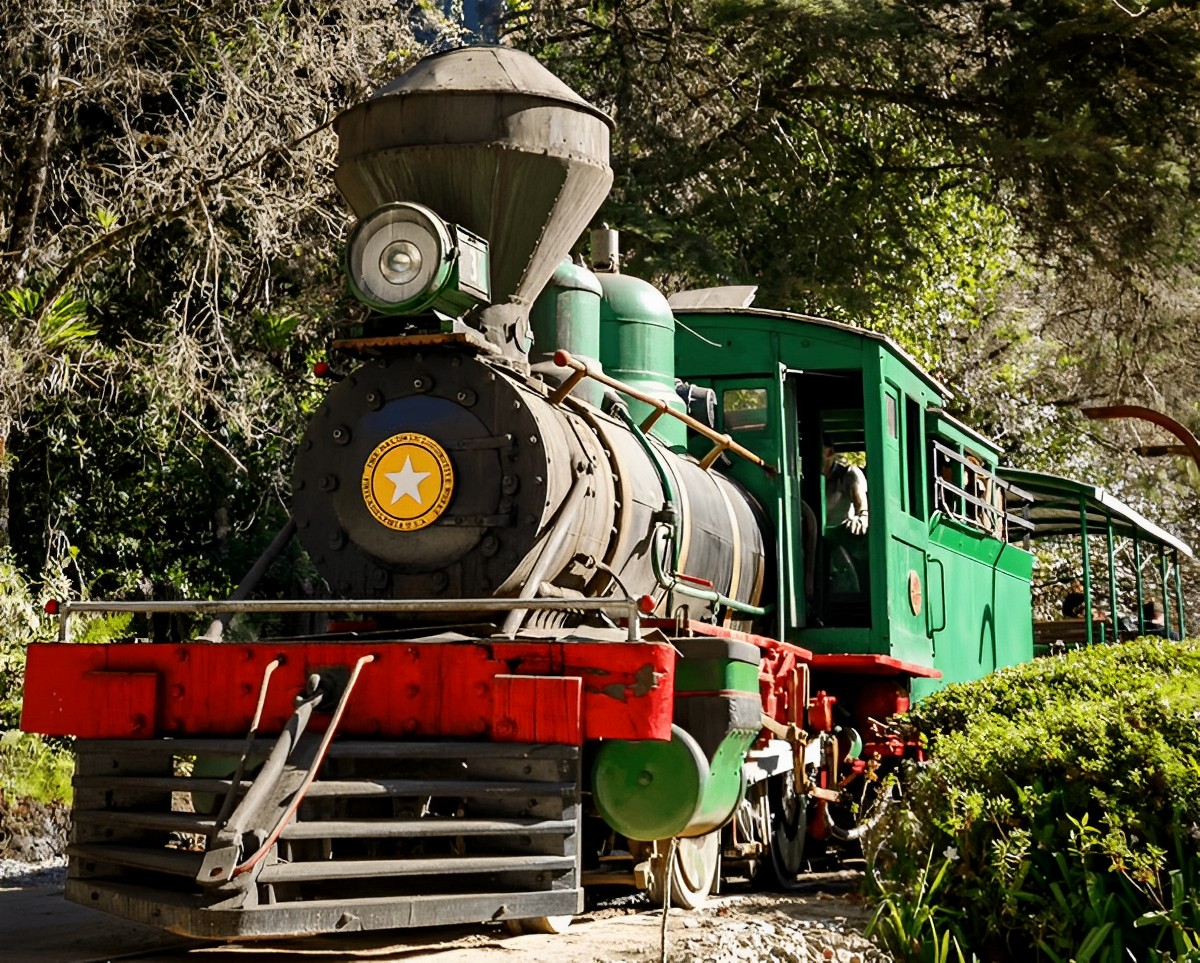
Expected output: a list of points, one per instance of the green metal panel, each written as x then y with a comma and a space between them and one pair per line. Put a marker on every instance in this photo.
649, 789
906, 520
715, 675
974, 612
768, 438
637, 346
567, 315
981, 615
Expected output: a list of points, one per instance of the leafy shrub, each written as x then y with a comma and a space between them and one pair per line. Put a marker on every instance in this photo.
30, 767
22, 621
1060, 815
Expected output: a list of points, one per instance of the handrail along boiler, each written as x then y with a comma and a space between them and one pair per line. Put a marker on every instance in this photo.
603, 632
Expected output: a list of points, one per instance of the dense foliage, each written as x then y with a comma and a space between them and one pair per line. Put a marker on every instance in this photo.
1059, 818
170, 269
169, 239
1010, 189
30, 766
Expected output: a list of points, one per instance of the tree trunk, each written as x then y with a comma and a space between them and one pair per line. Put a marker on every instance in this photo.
31, 183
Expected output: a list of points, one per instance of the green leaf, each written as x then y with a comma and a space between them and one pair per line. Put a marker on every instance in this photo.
1092, 942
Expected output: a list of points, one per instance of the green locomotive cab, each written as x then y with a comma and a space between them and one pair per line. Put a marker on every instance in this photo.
831, 407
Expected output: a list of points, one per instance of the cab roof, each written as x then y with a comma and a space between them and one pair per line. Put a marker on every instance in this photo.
731, 311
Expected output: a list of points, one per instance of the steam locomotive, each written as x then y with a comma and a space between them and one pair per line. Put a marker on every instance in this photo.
590, 618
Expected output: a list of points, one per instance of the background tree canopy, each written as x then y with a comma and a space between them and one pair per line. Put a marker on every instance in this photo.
1009, 188
171, 263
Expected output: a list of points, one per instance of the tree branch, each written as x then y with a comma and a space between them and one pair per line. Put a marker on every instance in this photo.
106, 242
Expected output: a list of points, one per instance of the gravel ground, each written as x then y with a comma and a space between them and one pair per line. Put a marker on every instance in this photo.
809, 927
776, 928
47, 872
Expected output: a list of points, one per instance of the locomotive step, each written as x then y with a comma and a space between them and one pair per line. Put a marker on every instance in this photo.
435, 787
437, 866
411, 828
184, 915
159, 783
176, 822
338, 749
169, 822
175, 862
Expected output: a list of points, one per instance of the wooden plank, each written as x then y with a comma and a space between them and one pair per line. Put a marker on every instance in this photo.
534, 708
168, 822
183, 915
159, 783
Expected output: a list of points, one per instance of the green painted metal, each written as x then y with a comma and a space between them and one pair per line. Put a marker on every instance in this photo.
1087, 569
988, 616
567, 315
1162, 563
637, 346
648, 789
726, 783
1141, 595
1178, 593
940, 592
794, 360
1114, 613
715, 675
1060, 501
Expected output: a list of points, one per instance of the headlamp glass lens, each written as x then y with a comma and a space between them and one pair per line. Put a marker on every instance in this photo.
400, 262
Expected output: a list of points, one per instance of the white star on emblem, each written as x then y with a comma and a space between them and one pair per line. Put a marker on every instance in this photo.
407, 482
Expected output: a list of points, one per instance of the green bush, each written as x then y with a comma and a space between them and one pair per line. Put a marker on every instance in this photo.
1059, 818
30, 767
22, 621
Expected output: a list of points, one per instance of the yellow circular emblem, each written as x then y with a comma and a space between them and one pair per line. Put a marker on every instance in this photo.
407, 481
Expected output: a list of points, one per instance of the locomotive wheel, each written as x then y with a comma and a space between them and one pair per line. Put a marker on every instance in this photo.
693, 873
787, 825
550, 925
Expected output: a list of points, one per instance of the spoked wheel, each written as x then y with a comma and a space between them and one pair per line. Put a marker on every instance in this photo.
693, 873
786, 817
551, 925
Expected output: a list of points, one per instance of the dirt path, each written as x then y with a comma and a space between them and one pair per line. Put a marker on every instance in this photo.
37, 925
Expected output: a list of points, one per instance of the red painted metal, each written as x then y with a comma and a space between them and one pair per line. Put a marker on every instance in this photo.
719, 631
880, 698
871, 705
820, 711
413, 690
873, 665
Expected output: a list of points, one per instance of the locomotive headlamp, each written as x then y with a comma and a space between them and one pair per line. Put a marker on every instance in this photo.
404, 259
